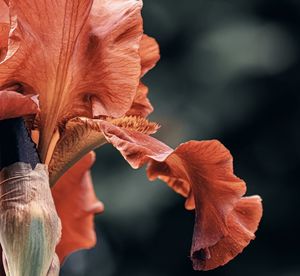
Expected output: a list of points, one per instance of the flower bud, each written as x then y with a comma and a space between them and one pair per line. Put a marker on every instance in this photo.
29, 225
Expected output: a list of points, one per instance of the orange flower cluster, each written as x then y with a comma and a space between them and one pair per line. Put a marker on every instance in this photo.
85, 60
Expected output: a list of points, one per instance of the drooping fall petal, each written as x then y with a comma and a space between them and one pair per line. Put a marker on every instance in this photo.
14, 104
242, 222
76, 205
91, 59
225, 221
202, 171
81, 135
135, 146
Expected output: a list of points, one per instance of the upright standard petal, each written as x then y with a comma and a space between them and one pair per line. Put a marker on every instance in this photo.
45, 42
114, 43
76, 205
91, 58
202, 171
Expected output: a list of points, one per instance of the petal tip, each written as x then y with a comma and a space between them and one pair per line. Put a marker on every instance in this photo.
242, 224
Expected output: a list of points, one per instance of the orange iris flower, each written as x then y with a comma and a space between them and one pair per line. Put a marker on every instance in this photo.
85, 60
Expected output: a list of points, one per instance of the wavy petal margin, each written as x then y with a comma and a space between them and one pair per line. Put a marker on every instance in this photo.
202, 171
76, 205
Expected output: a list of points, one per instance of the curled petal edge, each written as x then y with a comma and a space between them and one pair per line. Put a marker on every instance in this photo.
202, 171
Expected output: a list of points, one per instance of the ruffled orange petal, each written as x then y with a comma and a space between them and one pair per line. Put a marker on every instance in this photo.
114, 45
82, 135
88, 57
202, 171
13, 105
206, 173
242, 222
136, 147
76, 204
42, 54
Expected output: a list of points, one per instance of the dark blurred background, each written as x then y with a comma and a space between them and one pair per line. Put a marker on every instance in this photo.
229, 70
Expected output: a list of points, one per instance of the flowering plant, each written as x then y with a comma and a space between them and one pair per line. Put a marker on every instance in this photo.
72, 70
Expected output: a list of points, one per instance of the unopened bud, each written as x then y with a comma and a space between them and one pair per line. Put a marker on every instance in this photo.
29, 225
